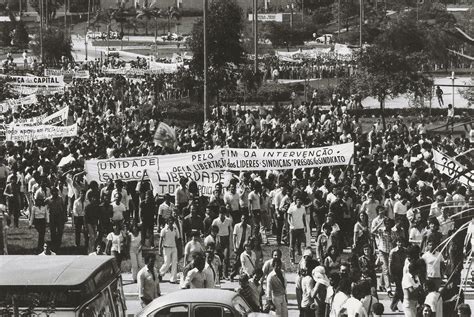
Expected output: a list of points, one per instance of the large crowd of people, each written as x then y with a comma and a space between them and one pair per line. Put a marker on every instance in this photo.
389, 210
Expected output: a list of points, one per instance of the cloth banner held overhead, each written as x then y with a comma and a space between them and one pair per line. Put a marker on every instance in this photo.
13, 104
67, 73
51, 81
132, 168
167, 182
165, 136
453, 168
55, 118
30, 90
17, 133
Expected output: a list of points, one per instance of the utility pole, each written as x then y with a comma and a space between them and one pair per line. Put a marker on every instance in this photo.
65, 16
302, 11
338, 18
204, 27
452, 81
361, 21
47, 15
290, 6
88, 14
255, 37
41, 31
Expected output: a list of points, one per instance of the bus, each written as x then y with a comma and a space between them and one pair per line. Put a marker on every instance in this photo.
61, 286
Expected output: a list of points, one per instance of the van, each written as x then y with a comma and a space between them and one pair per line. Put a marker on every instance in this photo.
61, 286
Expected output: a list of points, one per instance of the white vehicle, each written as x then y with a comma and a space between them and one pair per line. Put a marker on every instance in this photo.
325, 38
94, 35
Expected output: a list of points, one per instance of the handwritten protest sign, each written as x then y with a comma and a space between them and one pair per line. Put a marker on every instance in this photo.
17, 133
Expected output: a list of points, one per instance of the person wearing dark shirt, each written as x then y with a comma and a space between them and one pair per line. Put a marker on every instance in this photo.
207, 222
147, 214
57, 216
396, 262
192, 222
91, 219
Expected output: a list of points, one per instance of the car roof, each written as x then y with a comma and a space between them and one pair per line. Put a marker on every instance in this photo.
187, 296
59, 270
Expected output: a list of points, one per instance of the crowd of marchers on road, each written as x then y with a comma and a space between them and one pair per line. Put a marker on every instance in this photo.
392, 207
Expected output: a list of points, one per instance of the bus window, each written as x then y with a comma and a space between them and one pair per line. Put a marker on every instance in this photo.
100, 306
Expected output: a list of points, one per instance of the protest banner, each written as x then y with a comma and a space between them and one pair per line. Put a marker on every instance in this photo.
220, 159
167, 182
25, 133
55, 118
84, 74
13, 104
44, 91
452, 168
51, 81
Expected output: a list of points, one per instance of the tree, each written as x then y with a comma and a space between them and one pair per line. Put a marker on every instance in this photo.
5, 92
6, 33
55, 45
156, 13
79, 5
349, 10
225, 50
20, 36
49, 7
430, 34
384, 73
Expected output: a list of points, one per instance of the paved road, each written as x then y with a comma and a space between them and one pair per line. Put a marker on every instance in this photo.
133, 304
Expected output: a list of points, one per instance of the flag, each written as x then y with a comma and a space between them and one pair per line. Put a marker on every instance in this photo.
165, 136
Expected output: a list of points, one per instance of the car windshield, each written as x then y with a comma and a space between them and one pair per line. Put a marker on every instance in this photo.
241, 306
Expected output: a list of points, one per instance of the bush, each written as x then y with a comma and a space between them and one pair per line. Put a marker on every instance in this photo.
190, 12
175, 110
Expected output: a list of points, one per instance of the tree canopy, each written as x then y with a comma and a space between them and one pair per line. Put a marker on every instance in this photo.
225, 49
49, 7
55, 45
386, 73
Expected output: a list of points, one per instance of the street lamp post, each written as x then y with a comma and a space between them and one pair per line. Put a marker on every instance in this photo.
41, 31
204, 26
361, 20
290, 6
452, 81
255, 37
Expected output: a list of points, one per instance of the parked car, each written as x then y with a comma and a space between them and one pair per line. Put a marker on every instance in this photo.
325, 38
94, 35
199, 303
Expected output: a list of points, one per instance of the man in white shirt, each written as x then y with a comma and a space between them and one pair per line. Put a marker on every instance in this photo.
436, 206
223, 237
232, 198
297, 223
241, 235
353, 306
213, 267
148, 282
124, 197
165, 210
197, 278
169, 250
118, 208
340, 298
